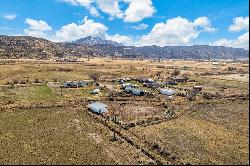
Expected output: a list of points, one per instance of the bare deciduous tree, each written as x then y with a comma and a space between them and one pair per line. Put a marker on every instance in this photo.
94, 76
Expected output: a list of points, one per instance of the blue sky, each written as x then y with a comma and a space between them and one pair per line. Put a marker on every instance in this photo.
132, 22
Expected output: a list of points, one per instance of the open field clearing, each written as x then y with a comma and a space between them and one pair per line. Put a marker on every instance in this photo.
211, 134
60, 136
234, 77
108, 68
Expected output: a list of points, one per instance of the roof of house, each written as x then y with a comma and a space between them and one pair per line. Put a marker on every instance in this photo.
98, 107
167, 91
126, 84
136, 90
96, 90
197, 86
129, 85
179, 78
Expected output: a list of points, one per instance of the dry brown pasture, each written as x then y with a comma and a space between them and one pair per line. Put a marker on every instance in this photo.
52, 125
60, 136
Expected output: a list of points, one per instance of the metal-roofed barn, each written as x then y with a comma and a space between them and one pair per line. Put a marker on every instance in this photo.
67, 84
138, 92
167, 92
95, 91
74, 84
125, 85
98, 107
82, 83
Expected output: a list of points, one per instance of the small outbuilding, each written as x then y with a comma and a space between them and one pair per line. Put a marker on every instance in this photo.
82, 83
98, 107
170, 83
179, 79
67, 84
151, 85
128, 89
127, 79
231, 68
137, 92
149, 81
168, 92
197, 87
145, 80
215, 63
95, 91
125, 85
74, 84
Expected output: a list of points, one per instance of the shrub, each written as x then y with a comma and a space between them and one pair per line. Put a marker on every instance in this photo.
15, 81
65, 69
55, 79
36, 80
186, 75
11, 101
176, 72
23, 82
156, 146
10, 83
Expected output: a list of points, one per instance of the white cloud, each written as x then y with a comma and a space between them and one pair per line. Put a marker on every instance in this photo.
79, 2
141, 26
240, 23
138, 10
34, 33
85, 3
120, 39
176, 31
37, 28
9, 16
110, 7
93, 11
203, 22
75, 31
241, 42
38, 25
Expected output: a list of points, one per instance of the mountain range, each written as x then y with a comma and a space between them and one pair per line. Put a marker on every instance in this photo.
90, 40
31, 47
